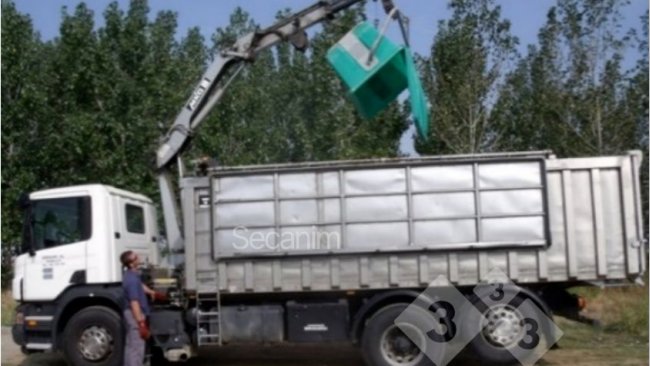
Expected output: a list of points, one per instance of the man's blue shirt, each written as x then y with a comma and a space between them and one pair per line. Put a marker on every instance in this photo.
132, 286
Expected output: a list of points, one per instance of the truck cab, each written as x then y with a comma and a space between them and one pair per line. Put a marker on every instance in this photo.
72, 239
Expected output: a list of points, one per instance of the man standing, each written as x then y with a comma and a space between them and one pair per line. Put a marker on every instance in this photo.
136, 309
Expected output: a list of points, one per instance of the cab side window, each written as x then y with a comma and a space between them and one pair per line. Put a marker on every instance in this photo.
134, 219
61, 221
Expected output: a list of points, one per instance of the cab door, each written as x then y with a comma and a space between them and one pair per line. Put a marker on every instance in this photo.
61, 230
134, 227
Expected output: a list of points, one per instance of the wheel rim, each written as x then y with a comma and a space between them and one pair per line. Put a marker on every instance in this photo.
398, 349
503, 325
95, 343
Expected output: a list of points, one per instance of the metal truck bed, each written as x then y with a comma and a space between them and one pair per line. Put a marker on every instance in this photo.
385, 223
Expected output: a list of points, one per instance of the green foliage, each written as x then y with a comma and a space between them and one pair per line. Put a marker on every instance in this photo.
91, 105
8, 307
24, 105
466, 64
621, 309
289, 107
86, 107
570, 93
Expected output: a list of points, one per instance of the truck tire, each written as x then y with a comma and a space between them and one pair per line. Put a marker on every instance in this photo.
94, 336
384, 344
506, 330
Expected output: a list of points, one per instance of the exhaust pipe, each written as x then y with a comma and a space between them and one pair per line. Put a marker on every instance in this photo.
178, 354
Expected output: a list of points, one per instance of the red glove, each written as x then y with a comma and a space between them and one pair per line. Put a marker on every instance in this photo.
143, 328
160, 297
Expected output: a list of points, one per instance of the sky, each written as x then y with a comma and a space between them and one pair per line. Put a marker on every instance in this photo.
526, 17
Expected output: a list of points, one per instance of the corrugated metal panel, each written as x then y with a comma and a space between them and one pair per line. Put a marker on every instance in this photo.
393, 208
486, 204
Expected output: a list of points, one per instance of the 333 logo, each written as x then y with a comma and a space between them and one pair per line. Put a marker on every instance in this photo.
496, 321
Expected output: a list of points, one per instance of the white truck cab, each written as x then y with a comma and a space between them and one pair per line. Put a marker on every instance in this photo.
74, 235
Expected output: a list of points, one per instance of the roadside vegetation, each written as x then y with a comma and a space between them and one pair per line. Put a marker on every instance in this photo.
620, 309
620, 339
8, 306
584, 344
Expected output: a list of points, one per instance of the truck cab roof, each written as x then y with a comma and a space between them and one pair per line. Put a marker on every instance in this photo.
87, 188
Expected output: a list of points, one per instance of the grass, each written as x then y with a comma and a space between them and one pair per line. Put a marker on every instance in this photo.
584, 344
622, 341
620, 309
8, 306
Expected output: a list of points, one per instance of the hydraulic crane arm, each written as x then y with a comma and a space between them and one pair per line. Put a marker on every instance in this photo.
211, 86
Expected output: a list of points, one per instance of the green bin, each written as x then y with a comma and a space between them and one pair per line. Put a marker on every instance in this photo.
373, 86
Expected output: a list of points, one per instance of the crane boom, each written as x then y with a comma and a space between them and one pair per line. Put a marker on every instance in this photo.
210, 89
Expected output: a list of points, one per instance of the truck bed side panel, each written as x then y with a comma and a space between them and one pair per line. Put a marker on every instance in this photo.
404, 225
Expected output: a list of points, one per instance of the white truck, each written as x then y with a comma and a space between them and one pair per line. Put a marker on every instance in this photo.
321, 252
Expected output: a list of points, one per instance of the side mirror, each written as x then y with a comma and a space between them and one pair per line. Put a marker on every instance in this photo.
26, 206
23, 201
28, 238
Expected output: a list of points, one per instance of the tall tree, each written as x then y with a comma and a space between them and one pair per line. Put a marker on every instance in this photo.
289, 106
533, 95
637, 102
468, 59
234, 133
568, 93
22, 102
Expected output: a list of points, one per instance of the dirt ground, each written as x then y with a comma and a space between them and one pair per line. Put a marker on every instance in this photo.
581, 345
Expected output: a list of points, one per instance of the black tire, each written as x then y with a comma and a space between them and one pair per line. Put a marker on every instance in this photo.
488, 350
109, 322
373, 337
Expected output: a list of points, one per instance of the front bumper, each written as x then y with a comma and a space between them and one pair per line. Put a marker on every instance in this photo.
33, 331
18, 330
18, 334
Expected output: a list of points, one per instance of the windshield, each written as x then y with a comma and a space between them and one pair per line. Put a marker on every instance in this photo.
59, 221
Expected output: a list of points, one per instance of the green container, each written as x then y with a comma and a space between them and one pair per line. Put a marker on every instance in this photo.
373, 86
419, 103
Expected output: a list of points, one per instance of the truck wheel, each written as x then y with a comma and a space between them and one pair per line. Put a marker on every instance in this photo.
94, 336
384, 344
504, 329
